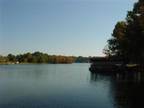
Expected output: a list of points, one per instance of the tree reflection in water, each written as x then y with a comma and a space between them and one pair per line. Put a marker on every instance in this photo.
127, 89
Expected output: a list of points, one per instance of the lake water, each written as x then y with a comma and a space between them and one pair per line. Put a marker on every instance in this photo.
65, 86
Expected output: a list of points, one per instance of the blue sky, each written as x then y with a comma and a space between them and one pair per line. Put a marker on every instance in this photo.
66, 27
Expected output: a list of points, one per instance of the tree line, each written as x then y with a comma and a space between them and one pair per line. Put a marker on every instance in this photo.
127, 41
39, 57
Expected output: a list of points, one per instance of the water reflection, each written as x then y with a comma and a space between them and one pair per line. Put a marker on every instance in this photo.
127, 89
27, 71
67, 86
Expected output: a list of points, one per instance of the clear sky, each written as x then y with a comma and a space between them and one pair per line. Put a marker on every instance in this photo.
66, 27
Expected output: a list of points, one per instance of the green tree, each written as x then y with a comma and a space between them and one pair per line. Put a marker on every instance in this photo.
135, 32
11, 57
3, 59
128, 36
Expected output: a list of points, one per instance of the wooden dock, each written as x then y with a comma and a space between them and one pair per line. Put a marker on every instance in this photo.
105, 65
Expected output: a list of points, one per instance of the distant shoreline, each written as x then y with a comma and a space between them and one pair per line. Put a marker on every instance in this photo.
36, 63
39, 57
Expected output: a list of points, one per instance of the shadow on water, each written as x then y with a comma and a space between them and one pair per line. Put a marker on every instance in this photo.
127, 89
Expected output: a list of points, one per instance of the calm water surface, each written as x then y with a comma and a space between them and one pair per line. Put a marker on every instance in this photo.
64, 86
